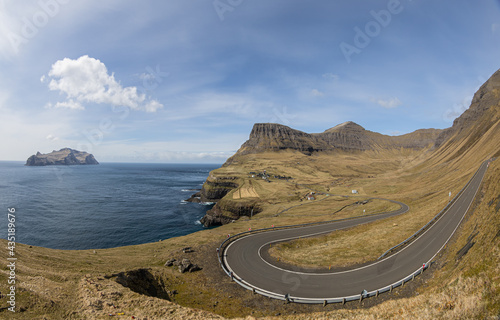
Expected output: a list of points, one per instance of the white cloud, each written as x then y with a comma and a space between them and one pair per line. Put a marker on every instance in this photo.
51, 137
181, 157
147, 76
317, 93
331, 76
395, 133
388, 103
459, 108
234, 105
173, 151
69, 104
87, 80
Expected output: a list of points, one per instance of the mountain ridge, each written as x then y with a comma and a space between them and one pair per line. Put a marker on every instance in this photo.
347, 136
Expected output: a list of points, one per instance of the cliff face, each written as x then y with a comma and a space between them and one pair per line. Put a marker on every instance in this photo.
225, 211
485, 99
347, 136
65, 156
215, 189
275, 137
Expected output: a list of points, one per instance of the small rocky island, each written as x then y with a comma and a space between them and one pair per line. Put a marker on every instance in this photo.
65, 156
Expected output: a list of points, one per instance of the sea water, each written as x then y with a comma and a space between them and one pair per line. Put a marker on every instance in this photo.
101, 206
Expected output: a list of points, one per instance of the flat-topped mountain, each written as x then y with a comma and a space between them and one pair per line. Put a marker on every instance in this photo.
275, 137
347, 136
65, 156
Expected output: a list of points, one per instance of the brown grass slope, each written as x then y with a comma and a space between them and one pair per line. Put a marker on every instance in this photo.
474, 135
465, 281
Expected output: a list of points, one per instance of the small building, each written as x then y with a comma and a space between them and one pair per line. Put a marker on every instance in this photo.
355, 192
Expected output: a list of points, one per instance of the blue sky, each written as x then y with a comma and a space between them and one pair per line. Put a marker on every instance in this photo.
184, 81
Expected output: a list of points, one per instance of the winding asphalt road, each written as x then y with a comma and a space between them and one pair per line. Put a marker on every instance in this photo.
243, 256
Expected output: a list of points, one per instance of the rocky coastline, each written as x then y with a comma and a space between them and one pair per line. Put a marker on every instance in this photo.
225, 210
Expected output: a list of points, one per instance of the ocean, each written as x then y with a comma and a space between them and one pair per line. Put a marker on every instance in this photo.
100, 206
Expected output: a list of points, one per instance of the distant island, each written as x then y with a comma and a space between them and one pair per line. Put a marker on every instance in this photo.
65, 156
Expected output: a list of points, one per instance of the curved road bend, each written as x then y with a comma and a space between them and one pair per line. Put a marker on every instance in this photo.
243, 258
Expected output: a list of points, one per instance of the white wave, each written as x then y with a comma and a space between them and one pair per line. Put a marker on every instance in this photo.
197, 222
207, 203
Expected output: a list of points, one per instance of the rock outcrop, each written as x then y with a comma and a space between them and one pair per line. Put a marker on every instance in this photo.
214, 189
65, 156
225, 211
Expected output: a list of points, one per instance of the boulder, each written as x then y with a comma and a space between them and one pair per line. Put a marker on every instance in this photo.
184, 266
170, 262
194, 268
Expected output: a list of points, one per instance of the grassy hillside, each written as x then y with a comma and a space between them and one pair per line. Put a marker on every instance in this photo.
59, 284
